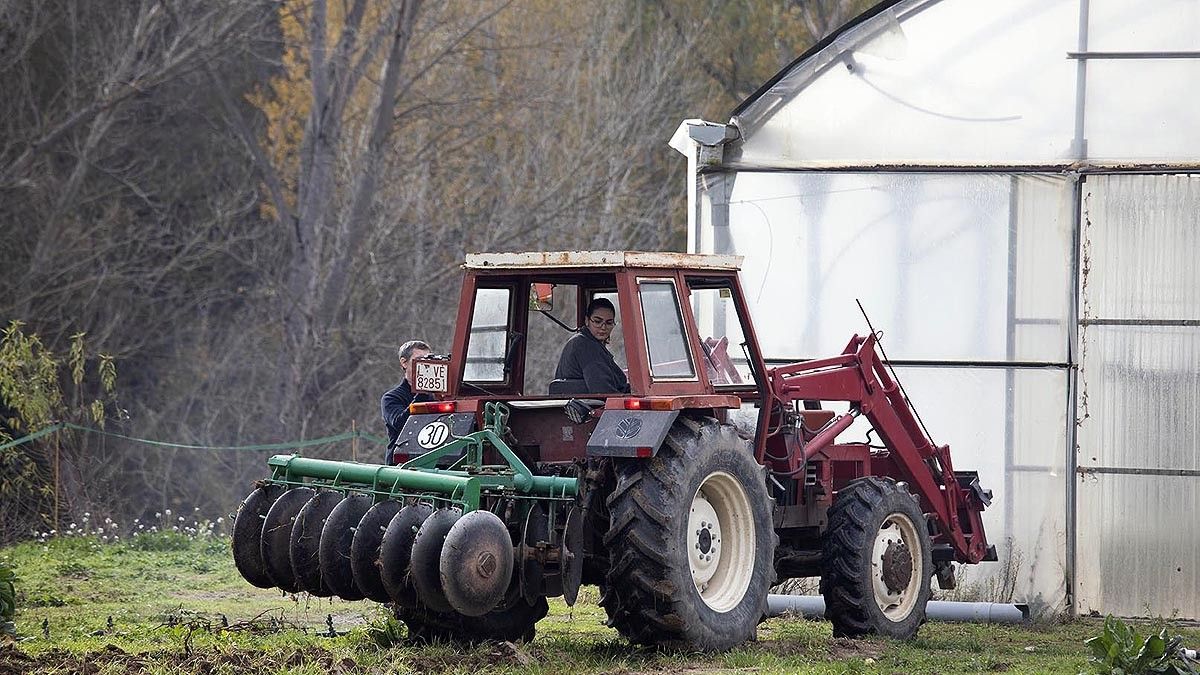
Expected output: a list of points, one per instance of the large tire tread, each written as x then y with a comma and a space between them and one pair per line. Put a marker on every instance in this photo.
648, 593
854, 520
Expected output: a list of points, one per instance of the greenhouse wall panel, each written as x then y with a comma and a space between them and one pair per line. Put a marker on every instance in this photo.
1139, 546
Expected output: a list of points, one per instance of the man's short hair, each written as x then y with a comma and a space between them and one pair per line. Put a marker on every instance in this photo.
411, 346
600, 303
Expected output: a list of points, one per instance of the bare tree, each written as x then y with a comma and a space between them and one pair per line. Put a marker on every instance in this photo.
250, 203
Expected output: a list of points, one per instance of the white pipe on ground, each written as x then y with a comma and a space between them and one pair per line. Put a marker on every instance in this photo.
813, 607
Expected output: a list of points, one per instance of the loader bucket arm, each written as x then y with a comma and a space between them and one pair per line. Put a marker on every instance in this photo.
858, 376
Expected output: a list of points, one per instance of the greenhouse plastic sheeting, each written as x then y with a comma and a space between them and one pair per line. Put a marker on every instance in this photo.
1141, 235
931, 82
987, 252
1139, 546
1139, 397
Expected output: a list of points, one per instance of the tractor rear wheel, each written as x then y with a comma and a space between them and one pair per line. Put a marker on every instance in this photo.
877, 561
690, 541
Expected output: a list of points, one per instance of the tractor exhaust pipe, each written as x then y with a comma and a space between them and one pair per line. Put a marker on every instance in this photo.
813, 607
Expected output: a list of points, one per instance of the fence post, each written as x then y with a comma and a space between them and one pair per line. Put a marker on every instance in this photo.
57, 452
354, 441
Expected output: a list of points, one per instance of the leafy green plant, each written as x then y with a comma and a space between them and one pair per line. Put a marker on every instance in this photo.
1120, 650
386, 633
8, 602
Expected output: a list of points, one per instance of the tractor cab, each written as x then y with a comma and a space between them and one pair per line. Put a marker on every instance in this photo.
682, 336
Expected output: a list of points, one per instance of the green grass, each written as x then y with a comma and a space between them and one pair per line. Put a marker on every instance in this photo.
177, 605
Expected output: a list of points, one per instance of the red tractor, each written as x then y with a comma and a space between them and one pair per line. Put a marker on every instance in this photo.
684, 500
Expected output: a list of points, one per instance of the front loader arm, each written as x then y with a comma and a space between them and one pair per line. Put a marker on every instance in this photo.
860, 378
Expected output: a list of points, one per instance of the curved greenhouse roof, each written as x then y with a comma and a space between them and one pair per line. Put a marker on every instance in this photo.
958, 82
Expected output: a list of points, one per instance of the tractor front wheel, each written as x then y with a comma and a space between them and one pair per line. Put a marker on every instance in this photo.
877, 561
690, 541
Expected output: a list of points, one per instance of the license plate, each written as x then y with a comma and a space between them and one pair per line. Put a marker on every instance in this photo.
432, 377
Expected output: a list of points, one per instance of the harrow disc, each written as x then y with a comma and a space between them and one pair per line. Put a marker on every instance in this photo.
364, 550
336, 540
427, 557
571, 556
277, 537
395, 553
247, 534
532, 572
476, 563
306, 542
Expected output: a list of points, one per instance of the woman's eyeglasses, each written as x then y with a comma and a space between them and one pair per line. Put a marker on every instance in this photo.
599, 322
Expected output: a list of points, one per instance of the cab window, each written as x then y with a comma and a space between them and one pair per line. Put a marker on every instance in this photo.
722, 338
488, 341
666, 339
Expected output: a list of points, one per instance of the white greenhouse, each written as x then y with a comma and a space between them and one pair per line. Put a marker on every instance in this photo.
1012, 190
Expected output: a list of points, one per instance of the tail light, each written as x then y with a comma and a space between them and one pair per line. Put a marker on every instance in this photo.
427, 407
648, 403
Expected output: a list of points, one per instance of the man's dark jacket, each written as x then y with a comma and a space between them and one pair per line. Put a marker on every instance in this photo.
586, 358
395, 411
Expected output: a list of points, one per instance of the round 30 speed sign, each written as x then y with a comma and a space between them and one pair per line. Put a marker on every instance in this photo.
433, 435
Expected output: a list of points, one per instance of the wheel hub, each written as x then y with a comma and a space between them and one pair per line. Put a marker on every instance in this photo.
720, 541
897, 566
487, 564
895, 558
704, 541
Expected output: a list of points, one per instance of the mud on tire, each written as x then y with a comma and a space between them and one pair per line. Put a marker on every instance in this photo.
877, 561
690, 541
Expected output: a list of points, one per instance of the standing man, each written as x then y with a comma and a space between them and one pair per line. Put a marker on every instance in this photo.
394, 404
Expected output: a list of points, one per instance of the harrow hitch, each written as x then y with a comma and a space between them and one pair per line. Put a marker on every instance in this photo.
463, 483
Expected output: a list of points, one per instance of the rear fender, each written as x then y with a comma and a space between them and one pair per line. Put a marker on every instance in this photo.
621, 433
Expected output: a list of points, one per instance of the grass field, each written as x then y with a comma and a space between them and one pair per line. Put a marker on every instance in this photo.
171, 603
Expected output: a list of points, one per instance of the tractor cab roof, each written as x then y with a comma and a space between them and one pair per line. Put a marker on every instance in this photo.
547, 260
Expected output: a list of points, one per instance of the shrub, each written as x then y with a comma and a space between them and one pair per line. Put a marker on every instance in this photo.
1119, 650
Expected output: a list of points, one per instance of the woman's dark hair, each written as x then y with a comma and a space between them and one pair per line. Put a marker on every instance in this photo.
599, 303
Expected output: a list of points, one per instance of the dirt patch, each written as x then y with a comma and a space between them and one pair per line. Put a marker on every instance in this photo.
498, 654
784, 648
112, 657
845, 648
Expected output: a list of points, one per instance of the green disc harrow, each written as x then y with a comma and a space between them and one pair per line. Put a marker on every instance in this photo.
465, 539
